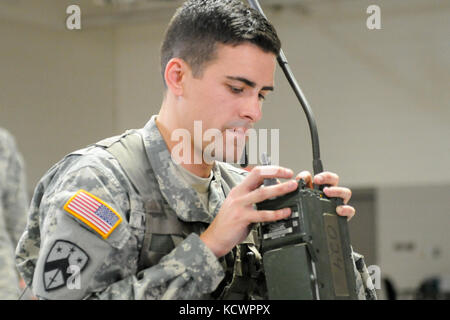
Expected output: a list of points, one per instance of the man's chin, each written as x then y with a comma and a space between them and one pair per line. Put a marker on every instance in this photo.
228, 157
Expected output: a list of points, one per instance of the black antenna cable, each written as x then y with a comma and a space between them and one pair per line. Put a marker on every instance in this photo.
282, 61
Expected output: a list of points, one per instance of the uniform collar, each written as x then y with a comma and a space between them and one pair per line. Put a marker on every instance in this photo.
179, 195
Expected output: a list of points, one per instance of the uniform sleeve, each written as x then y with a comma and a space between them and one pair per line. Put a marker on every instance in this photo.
190, 271
364, 284
15, 196
80, 260
13, 205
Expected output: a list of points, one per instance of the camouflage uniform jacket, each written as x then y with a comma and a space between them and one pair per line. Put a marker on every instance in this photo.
13, 210
108, 265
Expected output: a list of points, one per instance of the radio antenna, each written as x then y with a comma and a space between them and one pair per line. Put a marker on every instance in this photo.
282, 61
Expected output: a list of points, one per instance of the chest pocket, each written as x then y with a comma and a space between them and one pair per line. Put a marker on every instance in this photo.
163, 232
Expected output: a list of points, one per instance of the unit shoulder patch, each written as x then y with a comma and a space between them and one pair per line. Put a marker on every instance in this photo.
94, 212
64, 262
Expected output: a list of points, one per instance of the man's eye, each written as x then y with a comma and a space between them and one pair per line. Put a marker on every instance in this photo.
261, 97
236, 90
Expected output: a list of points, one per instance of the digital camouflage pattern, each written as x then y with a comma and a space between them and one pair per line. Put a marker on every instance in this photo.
189, 271
364, 284
115, 268
13, 210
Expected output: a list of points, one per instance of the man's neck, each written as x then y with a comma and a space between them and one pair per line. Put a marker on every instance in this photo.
166, 128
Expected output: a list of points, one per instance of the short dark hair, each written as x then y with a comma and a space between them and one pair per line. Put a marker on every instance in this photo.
198, 25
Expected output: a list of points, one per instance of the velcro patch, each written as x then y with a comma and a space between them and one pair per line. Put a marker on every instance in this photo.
64, 263
94, 212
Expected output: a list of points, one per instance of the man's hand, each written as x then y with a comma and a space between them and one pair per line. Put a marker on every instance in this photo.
231, 225
331, 179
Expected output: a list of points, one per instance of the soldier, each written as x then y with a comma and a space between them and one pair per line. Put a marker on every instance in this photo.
13, 210
123, 219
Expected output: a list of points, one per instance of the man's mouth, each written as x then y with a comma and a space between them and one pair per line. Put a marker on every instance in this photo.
238, 126
239, 130
238, 133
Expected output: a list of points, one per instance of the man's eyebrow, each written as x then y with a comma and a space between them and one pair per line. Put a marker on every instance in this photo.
250, 83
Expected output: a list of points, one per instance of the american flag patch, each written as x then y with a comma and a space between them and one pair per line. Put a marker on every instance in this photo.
94, 212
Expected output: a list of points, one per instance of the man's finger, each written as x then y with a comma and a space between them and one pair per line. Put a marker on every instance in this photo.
346, 211
327, 178
264, 193
307, 177
269, 215
338, 192
259, 173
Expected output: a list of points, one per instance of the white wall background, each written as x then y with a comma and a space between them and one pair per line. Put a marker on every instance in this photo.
380, 97
56, 90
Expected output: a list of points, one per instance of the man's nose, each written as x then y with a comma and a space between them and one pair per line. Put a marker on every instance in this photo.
252, 110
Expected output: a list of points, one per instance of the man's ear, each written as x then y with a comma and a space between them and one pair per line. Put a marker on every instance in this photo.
175, 75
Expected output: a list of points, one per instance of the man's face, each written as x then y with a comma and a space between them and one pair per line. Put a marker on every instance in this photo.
228, 96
